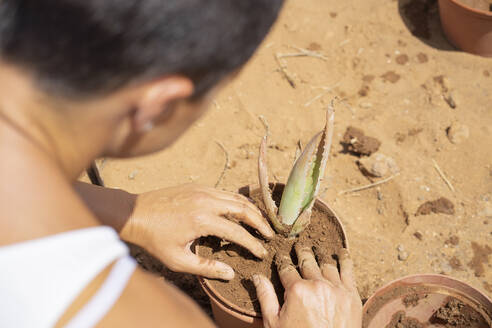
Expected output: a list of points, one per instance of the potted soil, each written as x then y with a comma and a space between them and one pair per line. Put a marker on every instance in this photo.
296, 215
234, 303
468, 24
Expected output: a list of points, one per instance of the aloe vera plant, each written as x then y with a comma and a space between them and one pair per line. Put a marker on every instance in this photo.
303, 184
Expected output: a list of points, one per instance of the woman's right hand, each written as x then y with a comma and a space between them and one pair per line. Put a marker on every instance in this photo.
323, 297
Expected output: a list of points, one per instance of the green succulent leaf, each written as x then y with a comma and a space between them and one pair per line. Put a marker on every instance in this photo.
304, 181
299, 184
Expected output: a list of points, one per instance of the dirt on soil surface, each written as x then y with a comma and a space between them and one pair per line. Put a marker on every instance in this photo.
480, 258
456, 314
411, 300
410, 297
360, 41
323, 235
359, 144
400, 320
440, 205
484, 5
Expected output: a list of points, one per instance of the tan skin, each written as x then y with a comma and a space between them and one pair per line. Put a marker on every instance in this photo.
46, 142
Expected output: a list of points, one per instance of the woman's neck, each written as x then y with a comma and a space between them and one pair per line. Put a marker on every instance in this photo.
40, 156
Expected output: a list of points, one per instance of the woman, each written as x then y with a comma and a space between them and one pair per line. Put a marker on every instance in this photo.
81, 79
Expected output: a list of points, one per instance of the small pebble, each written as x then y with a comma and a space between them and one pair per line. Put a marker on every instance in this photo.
379, 165
418, 235
486, 211
365, 105
457, 133
449, 99
402, 256
132, 174
446, 268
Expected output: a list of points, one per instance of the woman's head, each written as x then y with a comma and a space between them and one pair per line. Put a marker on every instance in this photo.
157, 59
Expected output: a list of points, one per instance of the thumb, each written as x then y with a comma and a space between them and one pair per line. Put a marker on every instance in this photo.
268, 300
200, 266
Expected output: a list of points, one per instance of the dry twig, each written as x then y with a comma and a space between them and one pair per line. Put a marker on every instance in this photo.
298, 150
441, 173
369, 185
302, 53
325, 91
226, 165
282, 68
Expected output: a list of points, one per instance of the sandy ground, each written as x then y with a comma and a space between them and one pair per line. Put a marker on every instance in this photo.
404, 90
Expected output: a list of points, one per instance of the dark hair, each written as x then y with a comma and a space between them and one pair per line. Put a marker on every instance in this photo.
88, 48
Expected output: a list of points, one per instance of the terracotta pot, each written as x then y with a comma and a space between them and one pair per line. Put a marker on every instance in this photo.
467, 28
432, 291
229, 315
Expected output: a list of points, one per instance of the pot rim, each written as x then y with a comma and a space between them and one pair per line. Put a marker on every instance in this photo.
212, 292
464, 287
471, 10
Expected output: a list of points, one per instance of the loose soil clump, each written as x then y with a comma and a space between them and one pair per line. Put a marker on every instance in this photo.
391, 76
357, 143
457, 314
440, 205
323, 234
422, 58
480, 257
402, 59
455, 263
411, 300
400, 320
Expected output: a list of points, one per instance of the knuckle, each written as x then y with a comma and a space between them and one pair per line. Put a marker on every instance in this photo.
200, 219
199, 197
319, 285
298, 289
261, 292
239, 197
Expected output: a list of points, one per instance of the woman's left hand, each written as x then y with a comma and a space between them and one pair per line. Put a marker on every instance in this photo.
166, 222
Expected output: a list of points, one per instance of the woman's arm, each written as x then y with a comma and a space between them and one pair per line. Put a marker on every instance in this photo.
146, 301
112, 207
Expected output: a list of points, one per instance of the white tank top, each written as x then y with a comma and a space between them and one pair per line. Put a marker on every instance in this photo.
40, 279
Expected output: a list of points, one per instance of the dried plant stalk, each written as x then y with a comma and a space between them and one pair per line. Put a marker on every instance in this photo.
270, 206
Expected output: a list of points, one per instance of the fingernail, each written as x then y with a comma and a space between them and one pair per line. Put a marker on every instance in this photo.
344, 254
226, 272
269, 233
256, 280
264, 252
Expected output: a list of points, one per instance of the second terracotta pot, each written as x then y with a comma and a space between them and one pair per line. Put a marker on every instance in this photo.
467, 28
229, 315
419, 296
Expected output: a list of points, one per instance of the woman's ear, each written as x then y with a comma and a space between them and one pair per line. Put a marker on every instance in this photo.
156, 98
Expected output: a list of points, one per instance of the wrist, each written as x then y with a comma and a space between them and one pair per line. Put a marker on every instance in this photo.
134, 228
